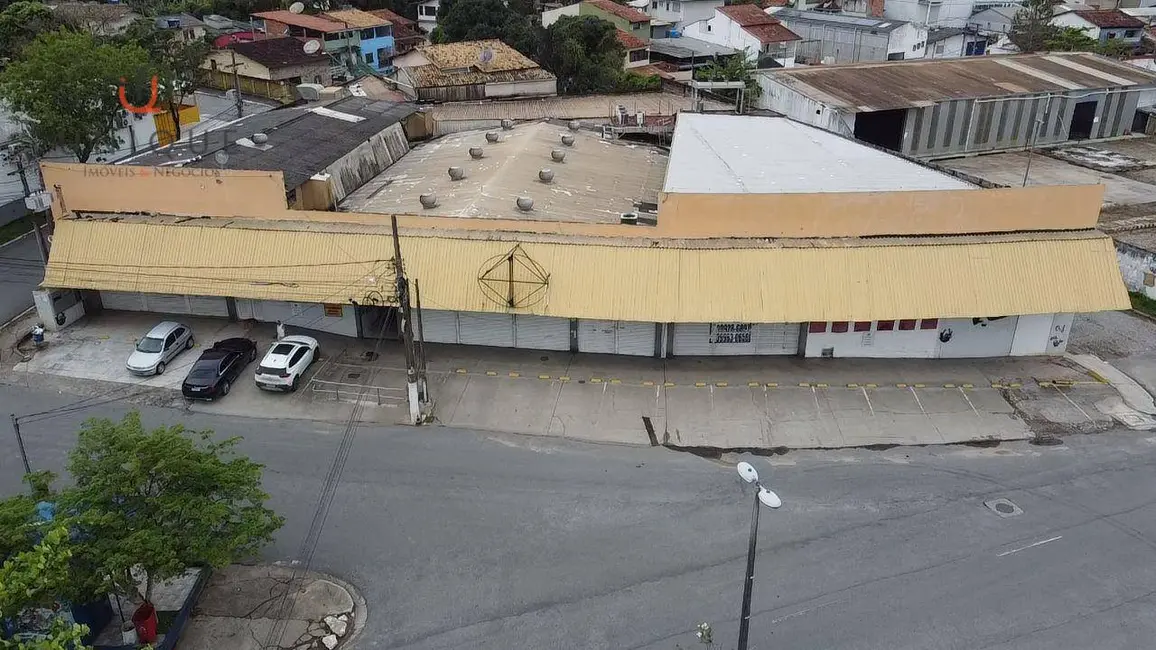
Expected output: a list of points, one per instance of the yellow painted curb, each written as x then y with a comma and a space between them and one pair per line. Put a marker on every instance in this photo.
491, 373
820, 385
721, 384
616, 381
648, 383
1098, 377
967, 386
901, 385
563, 378
920, 385
1015, 385
515, 374
543, 376
772, 385
872, 385
949, 385
700, 384
852, 385
668, 384
461, 371
753, 384
595, 380
804, 384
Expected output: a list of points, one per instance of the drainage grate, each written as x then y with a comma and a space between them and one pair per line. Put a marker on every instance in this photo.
1003, 508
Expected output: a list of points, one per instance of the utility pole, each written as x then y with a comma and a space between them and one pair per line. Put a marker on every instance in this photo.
237, 86
20, 170
20, 444
423, 384
406, 327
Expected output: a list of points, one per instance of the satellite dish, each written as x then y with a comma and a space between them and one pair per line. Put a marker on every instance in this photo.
221, 157
297, 7
312, 47
486, 55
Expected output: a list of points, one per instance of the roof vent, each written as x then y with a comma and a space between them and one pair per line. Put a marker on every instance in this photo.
629, 218
507, 125
568, 140
557, 155
457, 173
476, 153
545, 175
525, 203
491, 136
260, 138
575, 125
428, 200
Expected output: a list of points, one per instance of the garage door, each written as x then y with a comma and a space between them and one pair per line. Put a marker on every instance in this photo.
616, 337
542, 332
486, 329
165, 303
439, 326
732, 339
122, 300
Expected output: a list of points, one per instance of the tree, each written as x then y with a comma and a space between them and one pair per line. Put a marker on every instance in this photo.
1032, 26
21, 23
475, 20
161, 501
175, 62
33, 578
1070, 39
584, 54
64, 89
738, 67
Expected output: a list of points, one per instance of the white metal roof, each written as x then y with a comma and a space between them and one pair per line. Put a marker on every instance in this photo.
736, 154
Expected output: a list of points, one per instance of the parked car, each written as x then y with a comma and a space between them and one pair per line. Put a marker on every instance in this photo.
218, 368
286, 361
159, 347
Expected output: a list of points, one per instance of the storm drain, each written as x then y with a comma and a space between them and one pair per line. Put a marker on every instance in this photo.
1003, 508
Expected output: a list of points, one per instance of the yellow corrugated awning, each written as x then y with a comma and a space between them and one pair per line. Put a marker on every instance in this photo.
918, 279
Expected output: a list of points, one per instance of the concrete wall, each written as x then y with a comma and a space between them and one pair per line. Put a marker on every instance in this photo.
910, 40
942, 14
551, 16
959, 338
367, 160
1134, 262
833, 44
797, 106
536, 88
246, 67
299, 315
721, 30
682, 12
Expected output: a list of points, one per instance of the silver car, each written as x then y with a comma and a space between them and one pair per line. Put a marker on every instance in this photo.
163, 343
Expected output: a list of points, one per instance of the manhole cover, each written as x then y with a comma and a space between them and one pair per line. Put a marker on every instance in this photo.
353, 375
1003, 507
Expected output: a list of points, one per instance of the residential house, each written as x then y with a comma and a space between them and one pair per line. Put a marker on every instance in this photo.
189, 26
952, 42
680, 13
746, 28
627, 19
95, 18
994, 21
427, 15
374, 36
834, 38
271, 67
1104, 25
637, 49
338, 41
684, 54
471, 70
406, 35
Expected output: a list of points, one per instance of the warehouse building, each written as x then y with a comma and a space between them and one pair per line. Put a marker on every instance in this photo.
950, 107
752, 236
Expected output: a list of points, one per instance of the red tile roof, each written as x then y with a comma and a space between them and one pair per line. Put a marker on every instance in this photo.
776, 33
630, 41
622, 11
316, 23
395, 18
747, 15
774, 3
1109, 18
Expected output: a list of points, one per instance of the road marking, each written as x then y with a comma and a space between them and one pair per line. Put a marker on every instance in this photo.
917, 400
964, 393
868, 398
1024, 548
807, 610
1085, 413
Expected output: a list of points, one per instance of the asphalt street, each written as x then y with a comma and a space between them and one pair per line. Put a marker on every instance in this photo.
462, 539
21, 270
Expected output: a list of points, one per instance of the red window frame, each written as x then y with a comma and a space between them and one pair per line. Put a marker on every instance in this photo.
885, 326
929, 324
907, 324
839, 326
862, 326
817, 328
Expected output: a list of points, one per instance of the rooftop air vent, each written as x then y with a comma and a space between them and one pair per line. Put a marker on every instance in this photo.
545, 175
491, 136
259, 138
568, 140
557, 155
507, 125
428, 200
575, 125
476, 153
457, 173
629, 218
525, 203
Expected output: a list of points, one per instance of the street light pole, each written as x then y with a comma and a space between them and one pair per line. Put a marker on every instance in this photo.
765, 497
20, 444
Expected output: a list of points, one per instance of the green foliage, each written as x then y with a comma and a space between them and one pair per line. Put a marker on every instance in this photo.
1070, 39
475, 20
163, 501
21, 23
1142, 303
64, 88
1032, 26
735, 68
175, 61
33, 578
585, 55
1117, 49
639, 83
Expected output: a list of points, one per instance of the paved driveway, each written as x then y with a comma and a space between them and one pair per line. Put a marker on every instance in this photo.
20, 272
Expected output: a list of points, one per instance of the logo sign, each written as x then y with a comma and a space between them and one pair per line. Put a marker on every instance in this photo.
148, 109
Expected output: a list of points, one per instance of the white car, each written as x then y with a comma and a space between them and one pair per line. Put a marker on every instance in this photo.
285, 362
160, 346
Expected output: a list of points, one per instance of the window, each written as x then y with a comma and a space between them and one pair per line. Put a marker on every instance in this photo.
838, 327
929, 324
654, 5
885, 326
334, 310
366, 34
708, 27
170, 339
862, 326
638, 55
1131, 33
297, 356
907, 325
316, 78
1111, 35
939, 48
817, 328
369, 58
385, 31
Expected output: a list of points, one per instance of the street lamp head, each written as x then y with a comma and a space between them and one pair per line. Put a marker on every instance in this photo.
769, 499
748, 472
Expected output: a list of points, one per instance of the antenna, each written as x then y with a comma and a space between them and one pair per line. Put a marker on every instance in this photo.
297, 7
312, 47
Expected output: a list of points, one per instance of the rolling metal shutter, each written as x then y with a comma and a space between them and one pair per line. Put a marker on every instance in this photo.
777, 338
616, 337
166, 304
496, 330
542, 332
209, 306
438, 326
713, 339
122, 300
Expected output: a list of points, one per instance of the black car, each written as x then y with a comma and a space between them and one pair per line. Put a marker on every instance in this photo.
217, 368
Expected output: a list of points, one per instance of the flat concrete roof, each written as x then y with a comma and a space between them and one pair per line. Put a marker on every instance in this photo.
596, 183
684, 48
741, 154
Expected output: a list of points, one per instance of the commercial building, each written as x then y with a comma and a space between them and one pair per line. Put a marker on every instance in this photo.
766, 41
835, 38
545, 238
471, 70
951, 107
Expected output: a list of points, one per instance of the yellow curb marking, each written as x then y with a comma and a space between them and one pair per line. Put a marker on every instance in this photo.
668, 384
491, 373
700, 384
804, 384
1015, 385
949, 385
920, 385
753, 384
648, 383
820, 385
616, 381
721, 384
515, 374
901, 385
772, 385
461, 371
852, 385
543, 376
872, 385
595, 380
563, 379
967, 386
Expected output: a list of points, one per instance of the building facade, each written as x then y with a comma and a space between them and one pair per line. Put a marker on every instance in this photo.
1104, 26
764, 39
832, 39
680, 13
271, 67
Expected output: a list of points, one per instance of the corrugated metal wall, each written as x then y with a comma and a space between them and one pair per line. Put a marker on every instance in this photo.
821, 41
452, 93
970, 125
369, 159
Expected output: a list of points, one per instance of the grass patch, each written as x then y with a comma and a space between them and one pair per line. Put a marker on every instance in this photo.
1142, 303
21, 226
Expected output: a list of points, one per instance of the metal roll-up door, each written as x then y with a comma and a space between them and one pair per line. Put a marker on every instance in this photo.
713, 339
777, 338
208, 306
541, 332
486, 329
122, 300
166, 303
439, 326
597, 336
636, 339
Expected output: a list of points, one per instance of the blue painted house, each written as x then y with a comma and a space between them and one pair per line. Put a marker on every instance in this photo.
375, 36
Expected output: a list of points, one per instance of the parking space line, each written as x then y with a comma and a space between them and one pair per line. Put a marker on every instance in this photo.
868, 398
964, 393
1082, 411
917, 400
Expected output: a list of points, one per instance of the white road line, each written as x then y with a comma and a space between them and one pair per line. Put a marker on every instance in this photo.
917, 400
964, 393
1085, 413
807, 610
868, 398
16, 239
1024, 548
